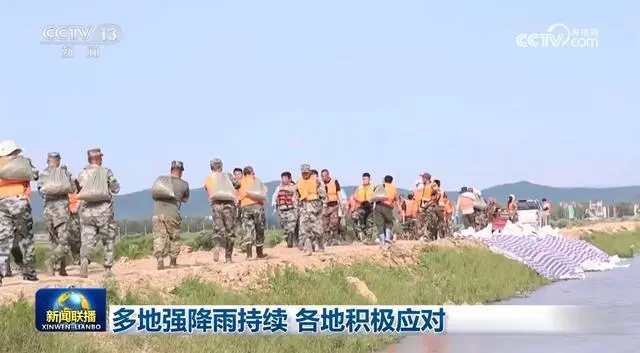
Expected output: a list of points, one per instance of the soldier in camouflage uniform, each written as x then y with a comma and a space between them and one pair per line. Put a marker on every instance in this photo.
73, 228
224, 214
97, 220
237, 174
429, 198
287, 208
16, 220
364, 210
253, 217
480, 216
312, 199
56, 216
167, 222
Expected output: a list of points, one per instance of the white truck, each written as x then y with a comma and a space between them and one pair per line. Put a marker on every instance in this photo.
530, 212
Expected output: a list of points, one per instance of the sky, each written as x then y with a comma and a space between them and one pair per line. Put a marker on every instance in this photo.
388, 87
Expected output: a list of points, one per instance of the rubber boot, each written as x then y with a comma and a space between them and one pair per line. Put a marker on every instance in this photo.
108, 273
63, 268
388, 238
308, 247
320, 246
259, 252
249, 251
30, 276
290, 241
84, 268
216, 254
160, 265
228, 252
173, 263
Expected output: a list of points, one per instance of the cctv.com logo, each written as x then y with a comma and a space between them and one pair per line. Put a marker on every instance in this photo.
560, 36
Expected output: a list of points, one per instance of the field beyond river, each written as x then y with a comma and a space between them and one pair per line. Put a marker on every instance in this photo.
442, 272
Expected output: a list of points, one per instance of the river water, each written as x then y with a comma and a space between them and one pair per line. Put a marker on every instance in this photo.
617, 290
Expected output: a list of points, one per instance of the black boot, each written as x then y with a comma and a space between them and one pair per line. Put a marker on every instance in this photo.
249, 251
173, 263
259, 252
228, 251
63, 267
30, 276
160, 263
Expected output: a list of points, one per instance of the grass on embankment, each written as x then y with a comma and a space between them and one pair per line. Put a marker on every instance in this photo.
468, 275
623, 244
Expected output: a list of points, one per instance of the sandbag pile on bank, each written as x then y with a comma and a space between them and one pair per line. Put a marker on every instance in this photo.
544, 250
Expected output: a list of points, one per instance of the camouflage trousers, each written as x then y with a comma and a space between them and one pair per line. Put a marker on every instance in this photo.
409, 228
166, 237
96, 226
365, 226
56, 221
289, 223
480, 219
428, 223
225, 224
253, 224
74, 239
311, 222
331, 223
16, 228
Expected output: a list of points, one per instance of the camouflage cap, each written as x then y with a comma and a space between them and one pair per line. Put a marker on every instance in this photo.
94, 152
177, 165
216, 162
305, 168
53, 155
248, 170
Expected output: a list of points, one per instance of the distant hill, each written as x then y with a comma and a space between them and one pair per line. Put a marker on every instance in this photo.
138, 205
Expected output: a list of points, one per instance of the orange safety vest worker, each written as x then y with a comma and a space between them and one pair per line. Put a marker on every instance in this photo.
308, 189
244, 199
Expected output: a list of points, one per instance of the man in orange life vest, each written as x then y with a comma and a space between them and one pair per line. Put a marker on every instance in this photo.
16, 220
253, 217
312, 198
330, 217
284, 201
408, 215
383, 211
364, 211
427, 199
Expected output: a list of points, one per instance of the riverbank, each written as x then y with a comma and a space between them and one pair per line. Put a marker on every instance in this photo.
433, 274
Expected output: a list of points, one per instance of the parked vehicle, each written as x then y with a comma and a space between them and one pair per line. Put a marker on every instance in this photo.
530, 212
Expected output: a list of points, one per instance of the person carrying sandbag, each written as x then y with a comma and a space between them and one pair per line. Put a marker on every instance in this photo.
251, 195
75, 240
283, 203
222, 191
385, 197
169, 192
97, 185
312, 199
16, 219
54, 185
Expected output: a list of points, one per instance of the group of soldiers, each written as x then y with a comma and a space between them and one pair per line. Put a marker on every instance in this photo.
310, 211
74, 227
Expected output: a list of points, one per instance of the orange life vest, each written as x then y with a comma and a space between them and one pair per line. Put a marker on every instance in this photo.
363, 193
448, 207
245, 200
391, 192
332, 191
9, 188
284, 197
308, 189
409, 210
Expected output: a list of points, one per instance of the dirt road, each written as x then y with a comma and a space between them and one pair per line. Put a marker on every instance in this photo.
131, 275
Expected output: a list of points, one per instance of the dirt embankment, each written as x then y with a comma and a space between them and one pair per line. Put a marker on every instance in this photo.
141, 274
605, 227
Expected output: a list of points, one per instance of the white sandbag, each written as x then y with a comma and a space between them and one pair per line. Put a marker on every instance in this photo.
94, 185
55, 182
162, 188
16, 168
223, 189
379, 194
479, 203
257, 190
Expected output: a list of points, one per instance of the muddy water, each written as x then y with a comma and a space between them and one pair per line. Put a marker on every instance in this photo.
618, 291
